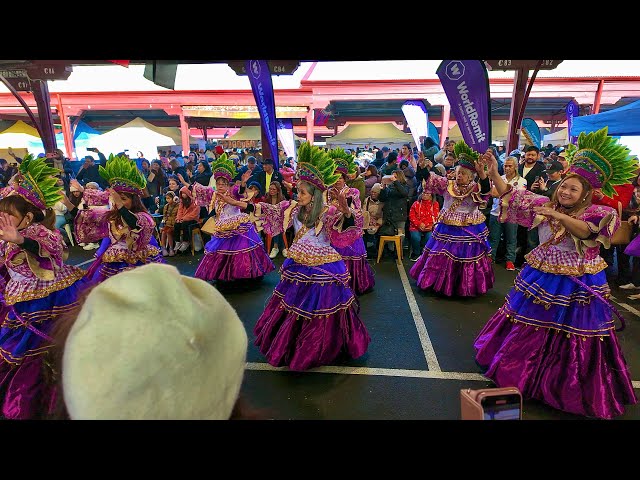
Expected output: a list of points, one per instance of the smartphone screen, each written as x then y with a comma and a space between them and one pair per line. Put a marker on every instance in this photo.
502, 407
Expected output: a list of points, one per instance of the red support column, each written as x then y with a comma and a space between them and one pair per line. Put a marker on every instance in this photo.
184, 130
519, 89
67, 133
596, 102
41, 96
444, 129
310, 130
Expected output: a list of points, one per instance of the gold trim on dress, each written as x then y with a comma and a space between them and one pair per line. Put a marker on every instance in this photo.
43, 292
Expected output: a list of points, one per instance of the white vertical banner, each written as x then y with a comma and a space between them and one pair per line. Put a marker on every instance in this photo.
287, 138
417, 119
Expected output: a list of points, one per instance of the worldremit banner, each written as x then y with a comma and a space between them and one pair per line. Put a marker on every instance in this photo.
466, 85
417, 119
573, 110
260, 78
287, 138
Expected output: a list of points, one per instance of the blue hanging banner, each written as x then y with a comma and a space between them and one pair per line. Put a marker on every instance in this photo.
433, 133
573, 110
531, 132
262, 87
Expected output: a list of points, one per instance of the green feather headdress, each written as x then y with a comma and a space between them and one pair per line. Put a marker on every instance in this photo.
223, 167
344, 161
316, 167
123, 175
603, 162
36, 182
467, 157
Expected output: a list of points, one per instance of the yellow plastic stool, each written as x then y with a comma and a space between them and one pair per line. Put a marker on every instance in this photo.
390, 238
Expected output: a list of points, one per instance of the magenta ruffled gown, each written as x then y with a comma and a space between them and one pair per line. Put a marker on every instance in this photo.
312, 318
127, 248
457, 258
554, 338
362, 277
235, 251
37, 290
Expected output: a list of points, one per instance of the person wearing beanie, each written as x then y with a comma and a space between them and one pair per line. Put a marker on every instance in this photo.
555, 337
456, 259
150, 344
312, 318
235, 251
126, 229
37, 288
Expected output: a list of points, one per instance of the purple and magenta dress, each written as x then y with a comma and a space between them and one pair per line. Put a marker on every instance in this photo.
312, 317
128, 248
456, 260
235, 251
37, 290
553, 338
355, 255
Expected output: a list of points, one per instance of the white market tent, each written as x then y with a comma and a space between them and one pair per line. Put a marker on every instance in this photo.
378, 134
249, 132
19, 135
556, 138
139, 135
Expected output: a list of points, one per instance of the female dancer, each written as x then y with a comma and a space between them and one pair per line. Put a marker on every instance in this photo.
235, 251
457, 257
128, 225
554, 337
355, 255
37, 287
312, 317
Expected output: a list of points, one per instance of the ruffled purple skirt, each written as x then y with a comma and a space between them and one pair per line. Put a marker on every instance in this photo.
355, 258
26, 381
236, 257
312, 318
455, 262
556, 342
99, 271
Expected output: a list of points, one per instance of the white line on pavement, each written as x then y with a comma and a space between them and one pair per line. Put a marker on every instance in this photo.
425, 341
85, 262
629, 308
385, 372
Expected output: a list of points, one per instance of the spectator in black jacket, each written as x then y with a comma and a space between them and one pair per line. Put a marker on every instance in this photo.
394, 195
89, 173
268, 175
252, 165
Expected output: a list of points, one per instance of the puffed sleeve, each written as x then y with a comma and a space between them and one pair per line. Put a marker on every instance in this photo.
50, 250
341, 235
202, 194
275, 216
95, 197
516, 206
91, 225
436, 183
603, 222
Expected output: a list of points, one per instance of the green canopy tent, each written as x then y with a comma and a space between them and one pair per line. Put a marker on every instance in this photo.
370, 134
